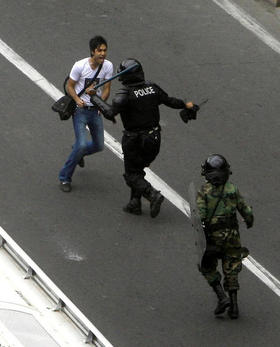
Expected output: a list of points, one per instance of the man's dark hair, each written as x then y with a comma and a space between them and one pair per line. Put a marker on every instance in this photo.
95, 42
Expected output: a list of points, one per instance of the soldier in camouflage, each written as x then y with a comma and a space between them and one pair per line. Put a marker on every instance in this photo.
217, 202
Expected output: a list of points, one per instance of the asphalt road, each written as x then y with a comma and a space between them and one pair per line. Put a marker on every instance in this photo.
135, 277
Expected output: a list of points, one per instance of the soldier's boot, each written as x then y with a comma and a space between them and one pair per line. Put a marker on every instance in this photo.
155, 199
134, 205
233, 310
223, 300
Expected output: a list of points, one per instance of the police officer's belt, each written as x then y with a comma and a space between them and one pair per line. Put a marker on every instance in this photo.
141, 131
226, 223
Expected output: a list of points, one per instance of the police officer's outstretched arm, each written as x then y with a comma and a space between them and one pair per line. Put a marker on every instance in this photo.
110, 111
189, 109
245, 210
103, 107
169, 101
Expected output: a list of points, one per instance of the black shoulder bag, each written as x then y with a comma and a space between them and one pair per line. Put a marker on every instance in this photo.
66, 105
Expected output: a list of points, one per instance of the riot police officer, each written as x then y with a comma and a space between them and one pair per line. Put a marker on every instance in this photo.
138, 104
218, 201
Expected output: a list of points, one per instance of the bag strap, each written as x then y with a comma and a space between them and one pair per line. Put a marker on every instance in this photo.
91, 80
218, 201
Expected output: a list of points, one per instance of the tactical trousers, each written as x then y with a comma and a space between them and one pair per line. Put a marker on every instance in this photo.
140, 150
224, 245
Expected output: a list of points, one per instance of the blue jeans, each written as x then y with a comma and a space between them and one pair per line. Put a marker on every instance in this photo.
82, 147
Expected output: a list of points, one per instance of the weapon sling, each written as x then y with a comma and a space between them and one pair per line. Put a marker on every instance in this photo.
218, 201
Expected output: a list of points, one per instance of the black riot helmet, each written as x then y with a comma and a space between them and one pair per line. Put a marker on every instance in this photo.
216, 169
134, 75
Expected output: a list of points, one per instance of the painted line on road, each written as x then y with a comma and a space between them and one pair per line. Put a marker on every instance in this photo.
265, 276
256, 268
249, 23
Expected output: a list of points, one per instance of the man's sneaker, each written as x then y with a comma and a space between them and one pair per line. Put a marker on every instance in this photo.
155, 203
134, 206
81, 163
65, 187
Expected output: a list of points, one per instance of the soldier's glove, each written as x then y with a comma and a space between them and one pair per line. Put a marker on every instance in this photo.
244, 252
250, 222
189, 113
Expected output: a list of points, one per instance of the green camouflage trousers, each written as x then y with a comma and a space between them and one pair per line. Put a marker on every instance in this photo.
225, 245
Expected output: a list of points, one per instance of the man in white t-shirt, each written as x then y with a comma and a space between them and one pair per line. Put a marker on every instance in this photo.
86, 114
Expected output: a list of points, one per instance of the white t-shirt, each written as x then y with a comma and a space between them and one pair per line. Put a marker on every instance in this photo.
82, 71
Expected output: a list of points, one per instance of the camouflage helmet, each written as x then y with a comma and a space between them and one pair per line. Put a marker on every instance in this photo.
134, 75
216, 169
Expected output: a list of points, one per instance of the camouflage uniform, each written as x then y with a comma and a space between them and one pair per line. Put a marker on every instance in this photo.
222, 234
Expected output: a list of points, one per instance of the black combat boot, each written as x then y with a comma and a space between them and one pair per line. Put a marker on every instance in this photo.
233, 311
155, 199
223, 302
134, 206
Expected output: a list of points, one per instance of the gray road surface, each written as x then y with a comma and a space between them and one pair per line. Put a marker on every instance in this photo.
135, 277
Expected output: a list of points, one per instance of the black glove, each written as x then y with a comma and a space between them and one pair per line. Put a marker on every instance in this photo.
109, 117
189, 113
249, 222
244, 252
103, 107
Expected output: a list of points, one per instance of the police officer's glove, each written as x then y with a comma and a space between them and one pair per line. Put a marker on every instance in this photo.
249, 222
109, 117
189, 113
103, 107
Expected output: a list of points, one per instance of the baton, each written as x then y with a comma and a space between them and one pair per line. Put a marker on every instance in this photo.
115, 76
203, 103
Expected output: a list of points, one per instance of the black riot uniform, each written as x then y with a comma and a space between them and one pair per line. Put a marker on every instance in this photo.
138, 104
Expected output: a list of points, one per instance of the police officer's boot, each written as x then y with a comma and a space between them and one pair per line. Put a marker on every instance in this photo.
233, 310
155, 199
223, 300
134, 205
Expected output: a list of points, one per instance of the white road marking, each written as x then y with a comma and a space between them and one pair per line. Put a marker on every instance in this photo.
265, 276
247, 21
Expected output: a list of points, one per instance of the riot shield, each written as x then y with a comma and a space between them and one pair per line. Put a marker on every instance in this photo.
199, 237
